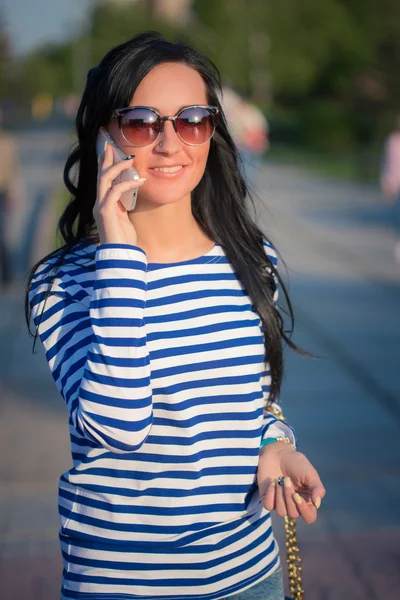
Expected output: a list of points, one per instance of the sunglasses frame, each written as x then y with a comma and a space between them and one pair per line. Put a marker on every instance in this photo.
120, 112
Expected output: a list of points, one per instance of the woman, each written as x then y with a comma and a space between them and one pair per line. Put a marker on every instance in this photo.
162, 335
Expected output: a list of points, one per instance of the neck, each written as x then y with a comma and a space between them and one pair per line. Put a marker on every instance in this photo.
168, 232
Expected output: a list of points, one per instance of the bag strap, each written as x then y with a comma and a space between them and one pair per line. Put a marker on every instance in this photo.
293, 558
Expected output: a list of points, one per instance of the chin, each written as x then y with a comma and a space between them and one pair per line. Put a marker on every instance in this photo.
165, 194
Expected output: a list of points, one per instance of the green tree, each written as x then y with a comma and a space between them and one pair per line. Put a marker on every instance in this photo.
113, 24
329, 66
46, 70
328, 69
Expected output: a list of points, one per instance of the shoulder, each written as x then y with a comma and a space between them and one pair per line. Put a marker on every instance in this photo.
68, 273
270, 251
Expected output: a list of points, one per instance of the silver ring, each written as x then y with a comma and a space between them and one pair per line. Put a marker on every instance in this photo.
281, 480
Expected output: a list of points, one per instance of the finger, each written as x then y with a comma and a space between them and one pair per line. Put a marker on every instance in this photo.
269, 496
107, 176
118, 189
306, 509
104, 164
317, 494
280, 504
288, 491
114, 170
108, 157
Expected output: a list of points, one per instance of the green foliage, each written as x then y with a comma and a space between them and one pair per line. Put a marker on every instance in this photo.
47, 70
325, 125
306, 37
114, 24
230, 27
325, 70
331, 66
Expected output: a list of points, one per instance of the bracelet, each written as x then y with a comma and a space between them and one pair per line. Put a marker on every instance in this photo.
277, 439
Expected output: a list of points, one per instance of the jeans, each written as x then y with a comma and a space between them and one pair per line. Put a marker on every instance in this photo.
270, 588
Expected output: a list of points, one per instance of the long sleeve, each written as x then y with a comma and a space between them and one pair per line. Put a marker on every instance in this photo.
272, 426
97, 354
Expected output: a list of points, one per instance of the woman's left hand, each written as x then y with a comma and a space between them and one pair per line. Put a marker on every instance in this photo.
302, 491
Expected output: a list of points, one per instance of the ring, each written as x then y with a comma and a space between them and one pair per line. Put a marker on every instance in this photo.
281, 480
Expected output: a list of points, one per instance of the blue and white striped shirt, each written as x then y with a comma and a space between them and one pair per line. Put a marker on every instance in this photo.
162, 369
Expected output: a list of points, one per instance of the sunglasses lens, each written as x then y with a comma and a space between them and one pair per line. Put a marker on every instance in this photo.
195, 125
140, 126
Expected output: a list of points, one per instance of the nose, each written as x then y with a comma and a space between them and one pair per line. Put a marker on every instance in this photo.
168, 141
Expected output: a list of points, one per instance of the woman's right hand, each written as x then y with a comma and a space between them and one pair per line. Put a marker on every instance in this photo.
112, 219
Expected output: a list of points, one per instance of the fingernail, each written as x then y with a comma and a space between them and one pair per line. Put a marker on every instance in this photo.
287, 482
317, 502
273, 483
142, 179
105, 146
297, 498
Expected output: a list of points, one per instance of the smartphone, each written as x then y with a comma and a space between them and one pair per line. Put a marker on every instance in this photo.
128, 198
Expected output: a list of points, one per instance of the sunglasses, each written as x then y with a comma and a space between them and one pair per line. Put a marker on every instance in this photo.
141, 125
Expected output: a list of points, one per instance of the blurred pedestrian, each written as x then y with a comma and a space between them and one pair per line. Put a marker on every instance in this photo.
255, 132
390, 181
248, 126
10, 176
162, 332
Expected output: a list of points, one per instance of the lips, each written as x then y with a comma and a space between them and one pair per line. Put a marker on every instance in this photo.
164, 167
168, 171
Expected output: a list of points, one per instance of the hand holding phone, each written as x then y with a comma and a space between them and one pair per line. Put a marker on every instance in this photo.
112, 218
128, 198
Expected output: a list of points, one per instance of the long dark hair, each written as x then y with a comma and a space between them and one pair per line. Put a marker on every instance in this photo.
218, 202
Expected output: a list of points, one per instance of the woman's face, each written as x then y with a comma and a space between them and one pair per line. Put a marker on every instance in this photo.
167, 88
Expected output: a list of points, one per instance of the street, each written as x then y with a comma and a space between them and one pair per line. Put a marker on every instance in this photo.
336, 242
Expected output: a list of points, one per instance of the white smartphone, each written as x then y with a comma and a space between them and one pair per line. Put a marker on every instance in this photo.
128, 198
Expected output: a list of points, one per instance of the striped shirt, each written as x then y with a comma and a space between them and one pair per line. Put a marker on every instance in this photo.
162, 369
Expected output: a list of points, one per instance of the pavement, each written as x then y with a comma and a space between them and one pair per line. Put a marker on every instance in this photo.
344, 283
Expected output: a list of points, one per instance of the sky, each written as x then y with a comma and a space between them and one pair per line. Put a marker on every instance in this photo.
33, 22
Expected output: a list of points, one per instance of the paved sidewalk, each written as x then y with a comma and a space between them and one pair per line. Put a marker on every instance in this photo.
344, 405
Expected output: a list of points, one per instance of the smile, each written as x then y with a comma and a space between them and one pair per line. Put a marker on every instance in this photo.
168, 169
168, 172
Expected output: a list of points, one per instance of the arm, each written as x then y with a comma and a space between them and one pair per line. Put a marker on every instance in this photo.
272, 426
98, 354
301, 495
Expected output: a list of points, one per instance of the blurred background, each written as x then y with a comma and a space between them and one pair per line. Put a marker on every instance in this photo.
312, 94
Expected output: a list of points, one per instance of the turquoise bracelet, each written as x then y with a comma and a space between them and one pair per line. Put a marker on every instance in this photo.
277, 439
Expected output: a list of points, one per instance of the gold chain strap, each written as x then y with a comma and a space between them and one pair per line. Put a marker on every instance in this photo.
293, 558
